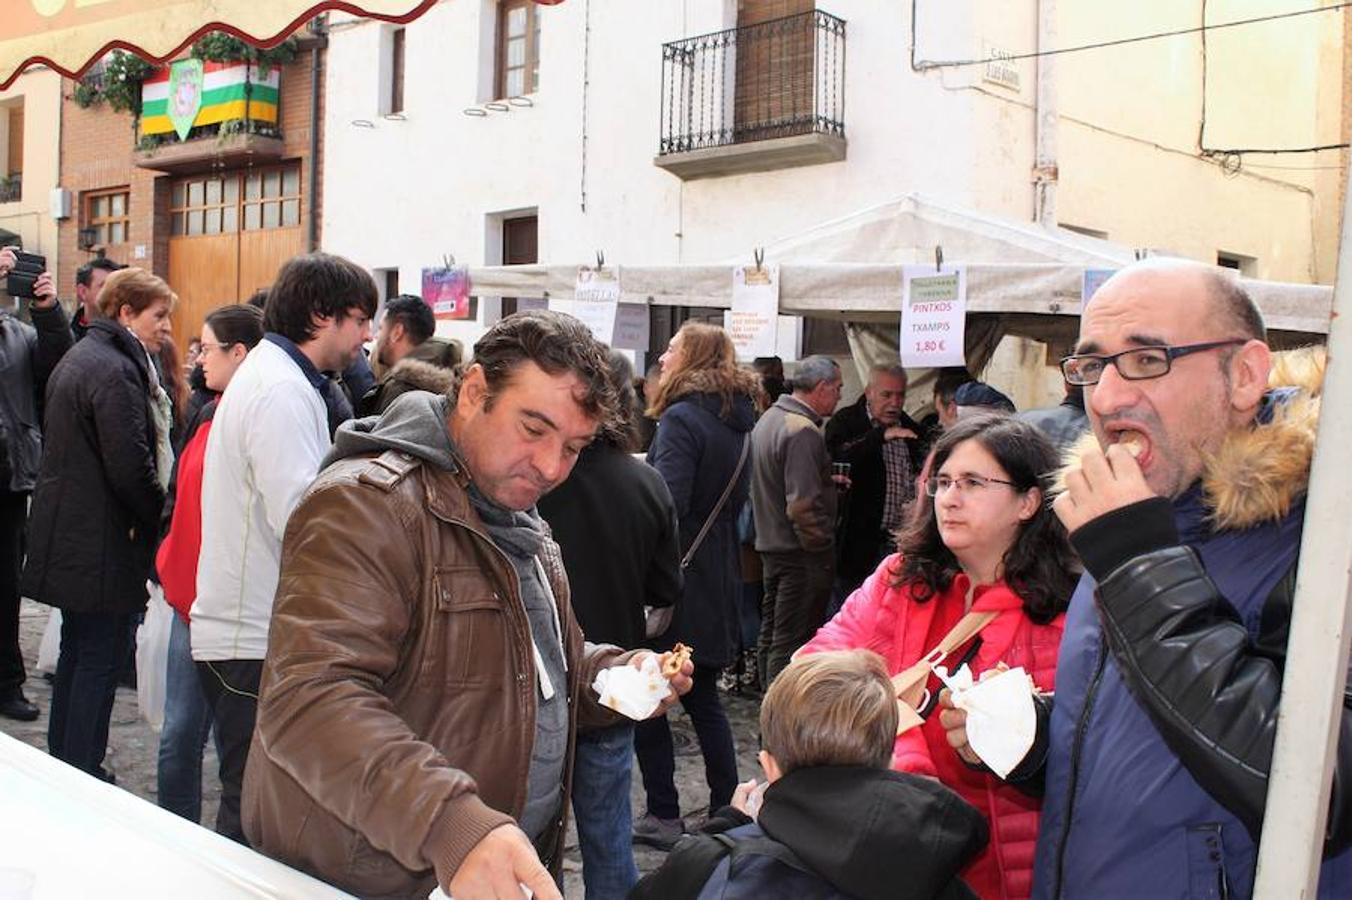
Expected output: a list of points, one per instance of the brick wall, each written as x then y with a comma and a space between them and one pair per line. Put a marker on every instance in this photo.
97, 147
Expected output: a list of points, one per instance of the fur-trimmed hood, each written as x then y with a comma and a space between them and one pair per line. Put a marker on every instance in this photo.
1259, 472
422, 376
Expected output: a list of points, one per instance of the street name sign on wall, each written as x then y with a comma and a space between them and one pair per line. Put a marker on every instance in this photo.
933, 316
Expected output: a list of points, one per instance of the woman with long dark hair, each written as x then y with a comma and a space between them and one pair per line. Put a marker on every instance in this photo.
705, 409
988, 542
228, 335
106, 462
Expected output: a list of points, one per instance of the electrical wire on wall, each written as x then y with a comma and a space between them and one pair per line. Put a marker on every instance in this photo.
1231, 159
926, 65
586, 84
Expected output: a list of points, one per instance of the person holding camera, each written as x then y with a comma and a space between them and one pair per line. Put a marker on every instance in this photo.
89, 279
28, 353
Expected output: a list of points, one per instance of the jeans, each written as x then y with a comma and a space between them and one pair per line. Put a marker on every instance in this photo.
602, 767
749, 613
657, 754
13, 516
231, 689
797, 589
187, 722
93, 646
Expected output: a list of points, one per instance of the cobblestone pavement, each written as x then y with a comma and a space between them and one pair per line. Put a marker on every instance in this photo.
132, 749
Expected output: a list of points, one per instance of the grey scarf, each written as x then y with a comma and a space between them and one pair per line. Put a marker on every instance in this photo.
521, 536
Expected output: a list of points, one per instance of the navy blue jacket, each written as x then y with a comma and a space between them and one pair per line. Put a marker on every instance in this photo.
696, 450
1131, 806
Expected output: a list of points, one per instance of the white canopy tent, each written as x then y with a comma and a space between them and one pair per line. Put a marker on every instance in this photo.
850, 269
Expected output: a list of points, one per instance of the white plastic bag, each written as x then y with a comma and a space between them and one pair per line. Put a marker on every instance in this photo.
152, 657
49, 651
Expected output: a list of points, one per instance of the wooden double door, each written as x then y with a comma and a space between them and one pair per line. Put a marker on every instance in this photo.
229, 232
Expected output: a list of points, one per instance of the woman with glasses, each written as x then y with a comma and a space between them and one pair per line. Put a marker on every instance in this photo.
228, 335
987, 542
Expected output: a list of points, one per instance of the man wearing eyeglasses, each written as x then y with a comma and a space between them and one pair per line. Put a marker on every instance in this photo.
1186, 508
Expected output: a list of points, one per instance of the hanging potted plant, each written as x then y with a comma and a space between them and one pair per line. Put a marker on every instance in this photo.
116, 81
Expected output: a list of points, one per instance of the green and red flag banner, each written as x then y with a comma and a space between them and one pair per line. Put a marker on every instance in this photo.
175, 100
71, 35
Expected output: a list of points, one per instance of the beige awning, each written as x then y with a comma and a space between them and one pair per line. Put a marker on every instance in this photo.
70, 35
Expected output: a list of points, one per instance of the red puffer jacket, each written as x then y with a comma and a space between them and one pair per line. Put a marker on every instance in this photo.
889, 621
176, 560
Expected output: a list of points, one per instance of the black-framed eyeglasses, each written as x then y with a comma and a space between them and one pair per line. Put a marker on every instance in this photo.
966, 484
1136, 364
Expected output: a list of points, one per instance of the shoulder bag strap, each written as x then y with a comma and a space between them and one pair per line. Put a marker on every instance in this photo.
718, 507
967, 628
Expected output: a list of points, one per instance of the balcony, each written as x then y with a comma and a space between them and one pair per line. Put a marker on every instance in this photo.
207, 152
766, 96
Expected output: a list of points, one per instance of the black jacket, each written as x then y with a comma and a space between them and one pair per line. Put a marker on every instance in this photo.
616, 525
852, 832
696, 451
1212, 692
96, 506
851, 437
28, 354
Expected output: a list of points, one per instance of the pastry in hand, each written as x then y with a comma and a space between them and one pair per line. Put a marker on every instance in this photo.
676, 660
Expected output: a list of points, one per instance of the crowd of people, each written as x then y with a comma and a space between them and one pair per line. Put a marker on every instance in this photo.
395, 579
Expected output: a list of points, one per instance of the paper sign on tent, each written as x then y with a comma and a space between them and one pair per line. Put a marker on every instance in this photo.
933, 316
754, 322
446, 290
596, 300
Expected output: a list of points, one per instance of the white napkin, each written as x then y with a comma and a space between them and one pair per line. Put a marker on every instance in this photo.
1001, 720
633, 692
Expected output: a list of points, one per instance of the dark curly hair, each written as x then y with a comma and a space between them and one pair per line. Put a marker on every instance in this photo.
558, 344
1040, 565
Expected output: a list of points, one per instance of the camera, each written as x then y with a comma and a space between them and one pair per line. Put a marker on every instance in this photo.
27, 268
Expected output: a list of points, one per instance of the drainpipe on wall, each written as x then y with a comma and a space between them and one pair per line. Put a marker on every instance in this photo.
317, 29
1045, 172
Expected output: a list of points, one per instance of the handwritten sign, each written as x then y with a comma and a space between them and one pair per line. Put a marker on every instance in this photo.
596, 300
754, 322
632, 327
933, 316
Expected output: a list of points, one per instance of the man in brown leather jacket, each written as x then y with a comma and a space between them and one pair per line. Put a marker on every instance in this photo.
425, 675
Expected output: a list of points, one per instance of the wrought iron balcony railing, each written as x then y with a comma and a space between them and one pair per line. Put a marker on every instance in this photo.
774, 79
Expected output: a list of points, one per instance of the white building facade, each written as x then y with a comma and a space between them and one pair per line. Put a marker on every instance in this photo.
497, 132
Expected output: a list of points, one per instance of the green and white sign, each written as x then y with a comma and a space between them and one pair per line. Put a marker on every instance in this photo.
186, 78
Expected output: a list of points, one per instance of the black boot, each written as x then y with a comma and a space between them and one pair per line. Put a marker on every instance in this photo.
14, 705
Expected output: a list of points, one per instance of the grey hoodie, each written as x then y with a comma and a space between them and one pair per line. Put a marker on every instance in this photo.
416, 423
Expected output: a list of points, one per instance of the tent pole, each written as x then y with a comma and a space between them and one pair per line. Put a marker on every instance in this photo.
1317, 650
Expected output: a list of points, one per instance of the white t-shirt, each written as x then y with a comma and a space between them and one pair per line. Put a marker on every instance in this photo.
268, 437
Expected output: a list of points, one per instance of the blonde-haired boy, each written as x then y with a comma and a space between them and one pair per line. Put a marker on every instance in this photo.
831, 820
